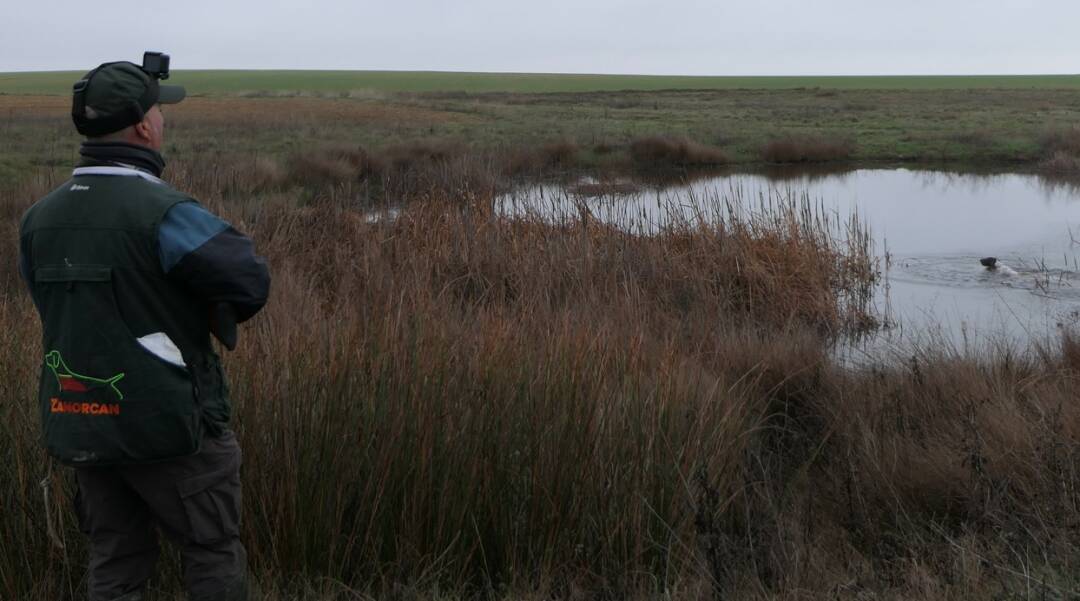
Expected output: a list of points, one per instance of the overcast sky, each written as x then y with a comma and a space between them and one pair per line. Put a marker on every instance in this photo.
693, 37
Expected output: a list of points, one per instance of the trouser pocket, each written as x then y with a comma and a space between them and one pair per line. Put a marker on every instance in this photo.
212, 504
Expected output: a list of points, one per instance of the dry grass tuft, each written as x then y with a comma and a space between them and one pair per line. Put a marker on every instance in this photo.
560, 154
1060, 163
1061, 151
315, 169
537, 160
1061, 141
421, 154
806, 150
604, 148
664, 151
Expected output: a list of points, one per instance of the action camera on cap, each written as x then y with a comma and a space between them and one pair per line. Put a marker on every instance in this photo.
156, 64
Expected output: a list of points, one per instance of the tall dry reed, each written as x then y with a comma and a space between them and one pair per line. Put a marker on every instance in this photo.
462, 399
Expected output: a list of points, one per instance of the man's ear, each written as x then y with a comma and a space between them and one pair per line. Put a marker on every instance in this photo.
142, 130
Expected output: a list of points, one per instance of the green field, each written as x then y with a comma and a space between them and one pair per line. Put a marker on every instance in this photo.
329, 82
958, 121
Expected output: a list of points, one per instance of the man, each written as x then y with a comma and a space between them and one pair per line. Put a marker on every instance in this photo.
130, 277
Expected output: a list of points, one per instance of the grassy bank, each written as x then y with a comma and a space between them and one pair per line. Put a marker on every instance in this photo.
999, 128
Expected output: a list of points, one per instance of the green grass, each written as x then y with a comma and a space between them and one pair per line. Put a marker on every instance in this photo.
329, 82
988, 128
995, 121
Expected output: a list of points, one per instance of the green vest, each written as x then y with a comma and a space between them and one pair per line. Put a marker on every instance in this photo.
105, 396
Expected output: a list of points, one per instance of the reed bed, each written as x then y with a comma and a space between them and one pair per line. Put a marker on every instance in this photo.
465, 401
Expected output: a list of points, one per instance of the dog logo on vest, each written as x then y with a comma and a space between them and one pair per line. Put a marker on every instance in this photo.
70, 381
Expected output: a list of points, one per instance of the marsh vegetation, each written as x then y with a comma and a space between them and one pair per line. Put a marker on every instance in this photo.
457, 402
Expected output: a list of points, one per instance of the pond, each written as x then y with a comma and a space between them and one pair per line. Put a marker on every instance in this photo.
930, 230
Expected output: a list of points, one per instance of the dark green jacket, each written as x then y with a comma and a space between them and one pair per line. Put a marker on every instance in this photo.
123, 270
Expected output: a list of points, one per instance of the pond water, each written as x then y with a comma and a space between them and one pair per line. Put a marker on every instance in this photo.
929, 229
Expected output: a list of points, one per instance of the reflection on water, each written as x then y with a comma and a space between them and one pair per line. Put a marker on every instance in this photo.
930, 228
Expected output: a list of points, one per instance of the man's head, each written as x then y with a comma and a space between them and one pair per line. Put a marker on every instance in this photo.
120, 101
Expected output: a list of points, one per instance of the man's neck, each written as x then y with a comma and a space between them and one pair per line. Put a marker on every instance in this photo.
98, 153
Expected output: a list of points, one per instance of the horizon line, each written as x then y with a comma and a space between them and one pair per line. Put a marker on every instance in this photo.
569, 73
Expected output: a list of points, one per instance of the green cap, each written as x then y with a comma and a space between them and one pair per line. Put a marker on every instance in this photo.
117, 95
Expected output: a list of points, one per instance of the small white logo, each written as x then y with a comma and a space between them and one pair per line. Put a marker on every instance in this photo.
78, 188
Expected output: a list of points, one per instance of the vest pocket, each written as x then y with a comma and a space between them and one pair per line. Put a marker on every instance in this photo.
104, 398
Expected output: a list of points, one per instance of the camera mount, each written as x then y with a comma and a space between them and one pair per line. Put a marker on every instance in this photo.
156, 64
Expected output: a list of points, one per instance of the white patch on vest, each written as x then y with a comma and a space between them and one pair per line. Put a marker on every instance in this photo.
115, 171
78, 188
163, 348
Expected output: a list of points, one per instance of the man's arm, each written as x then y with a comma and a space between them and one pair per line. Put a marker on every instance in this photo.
213, 260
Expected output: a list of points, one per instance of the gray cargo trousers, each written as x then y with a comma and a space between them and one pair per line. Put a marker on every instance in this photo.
194, 500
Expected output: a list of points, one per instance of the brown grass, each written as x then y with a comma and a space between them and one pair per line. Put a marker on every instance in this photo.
375, 175
341, 112
551, 156
458, 404
404, 170
604, 148
35, 106
313, 169
1061, 150
806, 150
562, 153
452, 397
1061, 141
665, 151
1061, 163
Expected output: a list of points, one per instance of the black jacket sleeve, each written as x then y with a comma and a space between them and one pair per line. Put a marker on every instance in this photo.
215, 261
